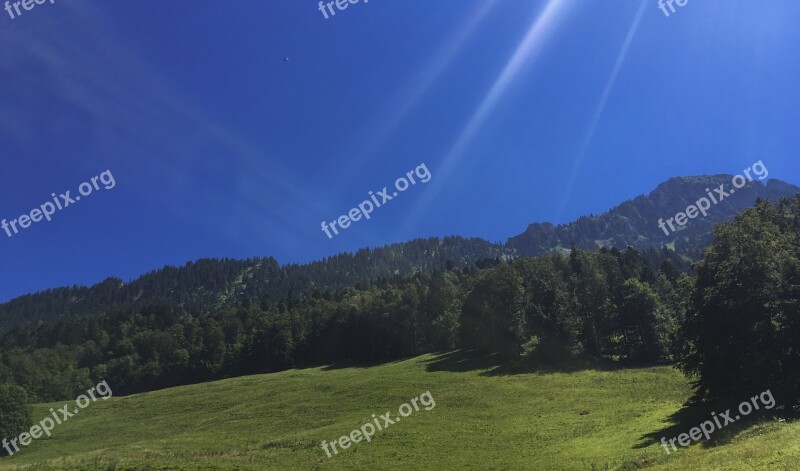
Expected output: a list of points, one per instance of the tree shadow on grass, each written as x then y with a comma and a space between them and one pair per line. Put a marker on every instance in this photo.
694, 413
461, 361
354, 364
341, 365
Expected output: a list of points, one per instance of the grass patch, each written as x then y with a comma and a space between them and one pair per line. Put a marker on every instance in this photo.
487, 417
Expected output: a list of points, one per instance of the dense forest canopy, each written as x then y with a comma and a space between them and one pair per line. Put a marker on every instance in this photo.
508, 302
208, 285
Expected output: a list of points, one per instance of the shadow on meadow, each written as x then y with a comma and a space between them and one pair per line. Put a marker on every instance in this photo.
693, 414
341, 365
492, 364
460, 361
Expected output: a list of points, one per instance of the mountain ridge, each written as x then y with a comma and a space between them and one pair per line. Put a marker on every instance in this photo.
634, 222
201, 286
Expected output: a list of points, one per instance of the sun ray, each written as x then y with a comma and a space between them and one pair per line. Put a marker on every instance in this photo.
601, 105
532, 43
410, 97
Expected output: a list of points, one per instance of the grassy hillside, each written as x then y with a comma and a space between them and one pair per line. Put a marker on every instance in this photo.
484, 419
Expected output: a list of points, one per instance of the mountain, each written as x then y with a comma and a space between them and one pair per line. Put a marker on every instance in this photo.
636, 222
206, 285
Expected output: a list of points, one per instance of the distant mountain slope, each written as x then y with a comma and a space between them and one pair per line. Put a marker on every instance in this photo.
635, 222
201, 287
208, 284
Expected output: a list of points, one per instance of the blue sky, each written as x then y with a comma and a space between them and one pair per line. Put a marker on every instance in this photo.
523, 111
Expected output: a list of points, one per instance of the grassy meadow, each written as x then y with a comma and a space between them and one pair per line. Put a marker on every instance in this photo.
486, 418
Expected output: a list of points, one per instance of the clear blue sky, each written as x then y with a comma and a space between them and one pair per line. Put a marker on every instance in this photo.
523, 110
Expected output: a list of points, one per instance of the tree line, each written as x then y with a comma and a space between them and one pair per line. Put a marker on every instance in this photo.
208, 285
584, 303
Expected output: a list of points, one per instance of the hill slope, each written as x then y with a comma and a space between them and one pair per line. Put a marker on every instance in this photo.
207, 285
483, 419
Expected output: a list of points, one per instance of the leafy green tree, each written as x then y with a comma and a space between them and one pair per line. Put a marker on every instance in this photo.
15, 414
643, 324
492, 318
442, 307
743, 330
592, 302
547, 317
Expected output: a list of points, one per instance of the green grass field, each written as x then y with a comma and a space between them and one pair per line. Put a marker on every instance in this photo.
485, 419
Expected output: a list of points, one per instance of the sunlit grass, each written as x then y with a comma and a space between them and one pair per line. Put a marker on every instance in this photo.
484, 419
